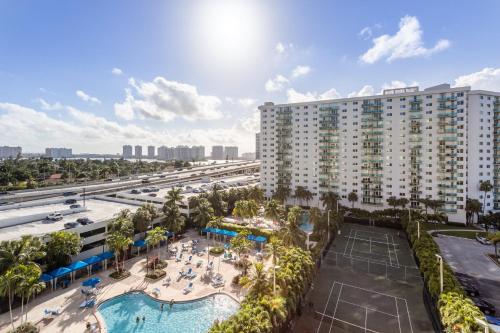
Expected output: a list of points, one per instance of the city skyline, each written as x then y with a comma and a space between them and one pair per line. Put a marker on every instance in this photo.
55, 87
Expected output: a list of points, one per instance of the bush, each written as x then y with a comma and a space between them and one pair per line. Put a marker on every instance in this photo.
156, 274
119, 276
26, 328
216, 251
236, 280
253, 230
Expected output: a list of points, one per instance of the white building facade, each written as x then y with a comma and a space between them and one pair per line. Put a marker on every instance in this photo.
231, 152
10, 152
127, 151
58, 152
437, 143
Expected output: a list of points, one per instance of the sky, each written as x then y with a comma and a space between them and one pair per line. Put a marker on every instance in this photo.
95, 75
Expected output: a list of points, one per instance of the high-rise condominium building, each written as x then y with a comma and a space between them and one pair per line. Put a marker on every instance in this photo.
231, 152
438, 143
10, 152
197, 153
257, 146
166, 153
58, 152
138, 151
151, 151
127, 151
217, 153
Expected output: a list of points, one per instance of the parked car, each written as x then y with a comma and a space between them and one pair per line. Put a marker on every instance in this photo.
162, 176
84, 220
5, 203
145, 181
54, 217
486, 307
134, 191
152, 194
108, 180
146, 190
154, 189
70, 193
75, 206
70, 201
483, 240
71, 225
4, 192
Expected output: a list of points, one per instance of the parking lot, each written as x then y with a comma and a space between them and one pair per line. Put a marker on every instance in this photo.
368, 282
467, 256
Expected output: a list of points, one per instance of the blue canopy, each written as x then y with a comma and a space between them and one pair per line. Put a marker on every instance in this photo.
259, 239
140, 243
106, 255
91, 282
93, 260
46, 278
61, 271
74, 266
169, 234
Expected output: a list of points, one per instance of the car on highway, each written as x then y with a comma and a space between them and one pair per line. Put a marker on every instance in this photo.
70, 201
162, 176
69, 193
5, 203
152, 194
75, 206
145, 181
145, 190
4, 192
108, 180
84, 220
54, 217
134, 191
486, 307
71, 225
154, 189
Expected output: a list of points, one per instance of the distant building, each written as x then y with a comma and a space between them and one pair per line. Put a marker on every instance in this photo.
127, 151
248, 156
182, 153
217, 152
198, 153
257, 146
10, 152
138, 151
166, 153
151, 151
58, 152
231, 153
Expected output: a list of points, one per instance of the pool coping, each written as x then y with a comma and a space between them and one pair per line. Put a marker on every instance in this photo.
102, 323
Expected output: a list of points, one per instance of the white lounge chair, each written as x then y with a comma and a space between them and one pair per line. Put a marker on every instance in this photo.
178, 257
210, 266
188, 261
51, 313
167, 281
190, 274
188, 288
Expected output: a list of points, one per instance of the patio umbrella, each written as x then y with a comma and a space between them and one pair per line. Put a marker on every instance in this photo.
91, 282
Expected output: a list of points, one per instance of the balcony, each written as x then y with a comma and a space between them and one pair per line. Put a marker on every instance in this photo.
447, 115
443, 99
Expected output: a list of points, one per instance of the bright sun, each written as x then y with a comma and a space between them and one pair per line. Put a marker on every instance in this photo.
227, 32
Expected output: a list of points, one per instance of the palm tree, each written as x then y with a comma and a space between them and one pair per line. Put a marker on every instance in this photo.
274, 248
472, 207
174, 195
495, 239
392, 201
291, 234
142, 219
8, 281
276, 306
353, 198
154, 238
216, 222
329, 200
241, 209
301, 193
257, 282
203, 213
273, 210
256, 194
282, 193
485, 187
314, 215
174, 220
118, 242
28, 284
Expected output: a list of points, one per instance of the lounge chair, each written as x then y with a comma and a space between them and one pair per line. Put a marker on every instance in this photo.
210, 266
188, 288
156, 292
178, 258
190, 274
188, 262
88, 304
199, 263
184, 247
181, 275
218, 281
167, 281
51, 313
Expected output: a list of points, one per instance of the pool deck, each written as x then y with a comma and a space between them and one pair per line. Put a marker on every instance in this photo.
73, 319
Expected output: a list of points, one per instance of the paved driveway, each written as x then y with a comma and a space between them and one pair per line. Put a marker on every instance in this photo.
469, 257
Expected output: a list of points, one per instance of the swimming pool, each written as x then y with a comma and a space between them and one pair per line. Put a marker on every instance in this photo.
120, 314
305, 225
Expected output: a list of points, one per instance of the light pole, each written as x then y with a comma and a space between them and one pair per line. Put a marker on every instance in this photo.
440, 258
274, 278
328, 221
484, 324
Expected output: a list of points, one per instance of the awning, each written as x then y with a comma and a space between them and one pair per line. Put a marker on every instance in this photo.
106, 255
259, 239
74, 266
93, 260
140, 243
46, 278
61, 271
91, 282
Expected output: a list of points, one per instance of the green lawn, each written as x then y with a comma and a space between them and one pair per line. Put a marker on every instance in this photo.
463, 234
434, 226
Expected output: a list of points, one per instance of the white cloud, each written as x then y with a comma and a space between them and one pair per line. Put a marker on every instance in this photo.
486, 79
116, 71
294, 96
165, 100
367, 32
247, 102
87, 98
394, 84
86, 132
49, 107
406, 43
280, 48
300, 71
276, 84
367, 90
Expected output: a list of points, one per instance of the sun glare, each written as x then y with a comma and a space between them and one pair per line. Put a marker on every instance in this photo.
227, 32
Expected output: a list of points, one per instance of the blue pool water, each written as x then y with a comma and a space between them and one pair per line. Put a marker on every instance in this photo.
305, 225
197, 316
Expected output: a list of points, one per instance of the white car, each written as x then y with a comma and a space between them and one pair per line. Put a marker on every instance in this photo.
54, 217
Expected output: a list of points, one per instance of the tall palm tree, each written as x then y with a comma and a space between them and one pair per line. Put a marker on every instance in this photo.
28, 284
495, 239
276, 306
329, 200
274, 248
257, 282
142, 219
154, 238
174, 221
392, 201
300, 193
174, 195
273, 210
241, 209
485, 187
256, 194
282, 193
118, 242
314, 215
203, 213
291, 234
472, 207
353, 198
8, 281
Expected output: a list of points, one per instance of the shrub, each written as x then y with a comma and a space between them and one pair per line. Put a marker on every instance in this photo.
119, 275
26, 328
216, 251
156, 274
253, 230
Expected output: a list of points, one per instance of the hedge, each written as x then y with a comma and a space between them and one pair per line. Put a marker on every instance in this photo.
253, 230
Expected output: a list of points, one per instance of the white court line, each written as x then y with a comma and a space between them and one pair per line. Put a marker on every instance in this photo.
368, 308
408, 312
353, 242
346, 322
366, 318
388, 249
371, 291
326, 305
397, 312
395, 253
347, 244
335, 310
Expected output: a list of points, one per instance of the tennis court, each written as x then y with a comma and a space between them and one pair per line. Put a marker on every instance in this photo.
368, 282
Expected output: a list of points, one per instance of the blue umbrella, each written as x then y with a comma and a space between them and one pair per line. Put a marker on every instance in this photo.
91, 282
